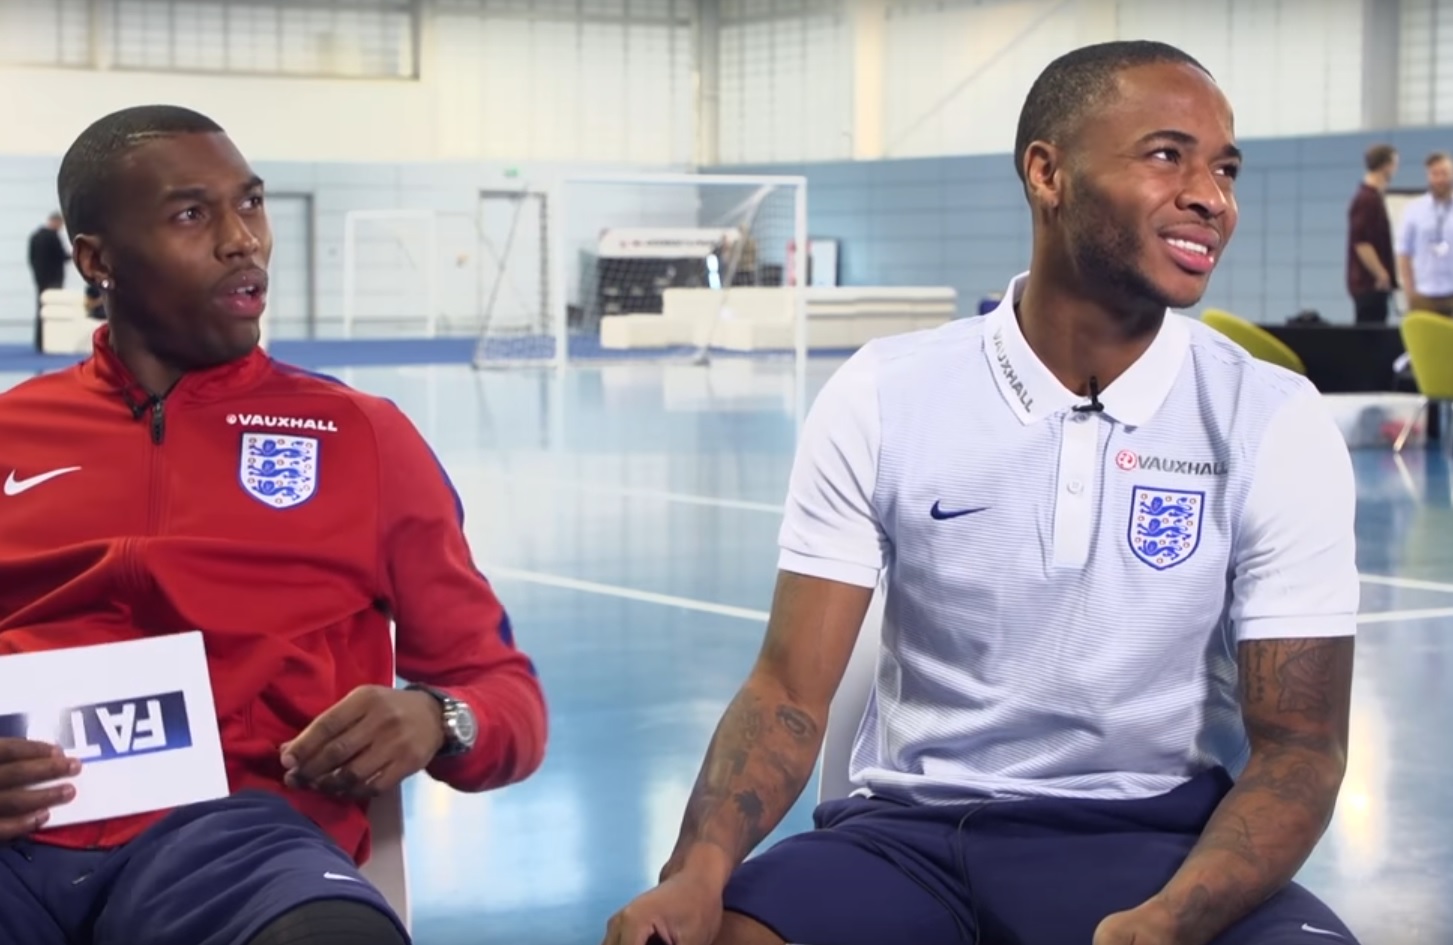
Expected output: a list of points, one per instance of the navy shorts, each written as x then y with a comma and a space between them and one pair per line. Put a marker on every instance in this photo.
1040, 872
215, 873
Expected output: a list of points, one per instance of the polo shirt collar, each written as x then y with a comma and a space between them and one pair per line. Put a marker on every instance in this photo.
1033, 392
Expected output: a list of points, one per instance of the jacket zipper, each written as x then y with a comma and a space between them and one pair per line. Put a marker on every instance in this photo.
156, 431
157, 406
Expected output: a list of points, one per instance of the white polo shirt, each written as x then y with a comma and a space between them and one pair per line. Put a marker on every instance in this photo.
1066, 590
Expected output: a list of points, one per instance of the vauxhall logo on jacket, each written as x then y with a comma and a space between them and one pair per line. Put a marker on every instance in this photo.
280, 423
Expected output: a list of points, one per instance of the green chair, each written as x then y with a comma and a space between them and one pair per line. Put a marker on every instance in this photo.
1428, 339
1258, 342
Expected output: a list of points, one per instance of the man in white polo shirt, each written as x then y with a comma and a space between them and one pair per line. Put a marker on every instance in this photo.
1112, 695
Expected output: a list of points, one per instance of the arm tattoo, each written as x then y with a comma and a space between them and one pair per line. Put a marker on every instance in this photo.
1296, 696
759, 761
1304, 678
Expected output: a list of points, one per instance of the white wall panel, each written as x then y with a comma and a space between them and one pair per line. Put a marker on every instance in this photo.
1425, 57
545, 80
786, 81
520, 80
956, 74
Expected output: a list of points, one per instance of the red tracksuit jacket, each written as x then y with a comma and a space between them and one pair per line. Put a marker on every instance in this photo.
288, 518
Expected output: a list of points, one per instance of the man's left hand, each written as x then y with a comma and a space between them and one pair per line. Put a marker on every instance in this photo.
1148, 924
366, 744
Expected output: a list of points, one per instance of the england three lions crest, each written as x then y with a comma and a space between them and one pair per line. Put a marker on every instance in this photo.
1165, 525
279, 471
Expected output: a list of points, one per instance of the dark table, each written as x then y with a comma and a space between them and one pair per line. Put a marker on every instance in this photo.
1352, 359
1346, 359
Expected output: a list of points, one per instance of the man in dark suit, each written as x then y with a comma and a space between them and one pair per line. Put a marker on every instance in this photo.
48, 258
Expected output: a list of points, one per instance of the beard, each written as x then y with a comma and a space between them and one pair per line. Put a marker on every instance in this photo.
1107, 252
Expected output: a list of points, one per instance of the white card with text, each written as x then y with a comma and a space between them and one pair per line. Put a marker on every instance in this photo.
138, 715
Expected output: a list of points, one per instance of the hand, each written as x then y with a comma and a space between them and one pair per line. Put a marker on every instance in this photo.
23, 765
366, 744
1148, 924
683, 910
1382, 283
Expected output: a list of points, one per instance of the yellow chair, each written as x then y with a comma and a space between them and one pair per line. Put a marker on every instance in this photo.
1258, 342
1429, 342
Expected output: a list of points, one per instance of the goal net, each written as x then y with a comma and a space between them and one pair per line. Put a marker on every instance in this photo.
664, 266
457, 273
390, 273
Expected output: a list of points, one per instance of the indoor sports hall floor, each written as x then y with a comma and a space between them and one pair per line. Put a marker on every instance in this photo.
628, 515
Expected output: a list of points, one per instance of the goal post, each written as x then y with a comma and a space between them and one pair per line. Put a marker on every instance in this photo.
677, 266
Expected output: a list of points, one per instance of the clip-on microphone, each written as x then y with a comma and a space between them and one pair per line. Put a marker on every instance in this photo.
1094, 406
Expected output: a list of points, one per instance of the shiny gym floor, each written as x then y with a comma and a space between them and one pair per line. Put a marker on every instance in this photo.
627, 515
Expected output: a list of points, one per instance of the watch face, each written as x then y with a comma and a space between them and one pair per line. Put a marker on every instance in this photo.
462, 721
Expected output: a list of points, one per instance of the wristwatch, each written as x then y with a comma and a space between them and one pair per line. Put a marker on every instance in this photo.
460, 727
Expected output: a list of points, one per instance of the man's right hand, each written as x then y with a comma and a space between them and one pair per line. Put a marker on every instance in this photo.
683, 910
24, 808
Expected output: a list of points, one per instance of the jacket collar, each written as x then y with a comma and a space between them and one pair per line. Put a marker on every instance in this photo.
105, 369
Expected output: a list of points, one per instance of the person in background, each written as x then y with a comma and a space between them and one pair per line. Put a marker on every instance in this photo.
48, 258
1371, 276
1424, 241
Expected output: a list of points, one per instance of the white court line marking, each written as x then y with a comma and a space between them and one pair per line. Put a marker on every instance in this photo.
687, 498
629, 593
660, 495
1397, 616
1408, 584
760, 616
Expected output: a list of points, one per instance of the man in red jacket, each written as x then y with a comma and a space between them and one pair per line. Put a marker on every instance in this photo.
179, 479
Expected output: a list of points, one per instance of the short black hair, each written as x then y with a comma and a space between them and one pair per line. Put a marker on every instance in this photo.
1078, 81
85, 178
1379, 156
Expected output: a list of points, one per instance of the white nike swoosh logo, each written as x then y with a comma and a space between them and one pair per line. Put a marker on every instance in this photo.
1317, 931
15, 486
348, 879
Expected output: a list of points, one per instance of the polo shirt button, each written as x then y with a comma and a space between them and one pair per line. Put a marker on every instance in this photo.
1075, 487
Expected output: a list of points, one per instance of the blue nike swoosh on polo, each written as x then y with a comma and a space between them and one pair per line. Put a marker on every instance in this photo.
938, 513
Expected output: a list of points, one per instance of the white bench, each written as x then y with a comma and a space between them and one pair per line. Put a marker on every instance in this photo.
64, 327
756, 318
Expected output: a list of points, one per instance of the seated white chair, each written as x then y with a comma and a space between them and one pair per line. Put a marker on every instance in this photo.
845, 715
387, 869
849, 703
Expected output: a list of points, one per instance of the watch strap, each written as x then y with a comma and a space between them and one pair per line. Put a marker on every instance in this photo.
452, 745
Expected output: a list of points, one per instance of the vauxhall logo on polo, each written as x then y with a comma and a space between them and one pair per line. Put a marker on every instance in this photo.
1128, 460
107, 731
1010, 375
268, 422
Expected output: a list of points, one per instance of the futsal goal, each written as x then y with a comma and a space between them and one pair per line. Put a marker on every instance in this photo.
662, 266
461, 272
679, 267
